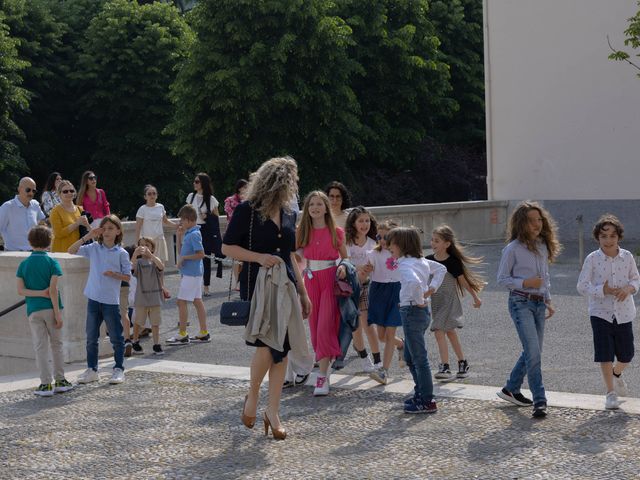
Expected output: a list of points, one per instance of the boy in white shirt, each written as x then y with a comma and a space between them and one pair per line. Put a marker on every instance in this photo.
609, 277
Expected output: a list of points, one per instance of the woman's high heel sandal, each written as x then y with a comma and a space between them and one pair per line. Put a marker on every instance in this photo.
247, 421
278, 433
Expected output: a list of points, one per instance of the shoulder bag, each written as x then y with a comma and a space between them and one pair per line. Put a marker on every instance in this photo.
236, 313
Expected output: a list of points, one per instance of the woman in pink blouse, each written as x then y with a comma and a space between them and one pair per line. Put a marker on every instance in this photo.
92, 199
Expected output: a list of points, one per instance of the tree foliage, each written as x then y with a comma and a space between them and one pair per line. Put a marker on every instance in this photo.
127, 63
402, 84
264, 79
458, 25
13, 100
632, 39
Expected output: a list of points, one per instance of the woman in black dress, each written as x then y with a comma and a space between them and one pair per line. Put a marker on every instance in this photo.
262, 233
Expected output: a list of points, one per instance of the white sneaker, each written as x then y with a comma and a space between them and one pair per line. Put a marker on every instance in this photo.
367, 365
322, 387
379, 375
117, 377
611, 401
88, 376
620, 385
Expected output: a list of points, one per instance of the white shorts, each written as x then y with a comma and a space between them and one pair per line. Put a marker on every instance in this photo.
190, 288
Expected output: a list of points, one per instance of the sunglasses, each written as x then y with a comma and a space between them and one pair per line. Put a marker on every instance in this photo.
91, 177
382, 237
29, 190
68, 191
196, 181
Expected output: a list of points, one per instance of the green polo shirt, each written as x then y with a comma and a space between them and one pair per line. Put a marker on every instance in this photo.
36, 272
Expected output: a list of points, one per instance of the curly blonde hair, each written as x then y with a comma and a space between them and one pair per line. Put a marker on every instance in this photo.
273, 185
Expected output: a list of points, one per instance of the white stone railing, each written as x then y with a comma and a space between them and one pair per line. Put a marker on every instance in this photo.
15, 340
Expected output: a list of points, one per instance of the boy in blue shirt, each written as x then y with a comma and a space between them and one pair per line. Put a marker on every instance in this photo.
109, 265
191, 269
38, 282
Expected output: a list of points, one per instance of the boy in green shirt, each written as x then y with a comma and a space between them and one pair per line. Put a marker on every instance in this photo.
37, 278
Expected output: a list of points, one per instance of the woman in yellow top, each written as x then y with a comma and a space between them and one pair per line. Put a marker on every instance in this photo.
66, 218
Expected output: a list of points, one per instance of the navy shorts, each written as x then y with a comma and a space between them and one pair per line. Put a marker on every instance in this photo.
612, 340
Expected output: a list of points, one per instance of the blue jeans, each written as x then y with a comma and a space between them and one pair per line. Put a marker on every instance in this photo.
96, 313
415, 321
528, 317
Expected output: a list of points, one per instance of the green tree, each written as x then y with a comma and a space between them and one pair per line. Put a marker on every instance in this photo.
267, 78
39, 42
13, 99
632, 34
129, 57
458, 25
403, 85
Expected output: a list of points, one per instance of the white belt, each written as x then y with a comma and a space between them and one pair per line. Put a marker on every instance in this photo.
316, 265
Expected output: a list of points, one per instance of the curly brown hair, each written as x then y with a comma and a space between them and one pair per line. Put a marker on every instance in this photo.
517, 229
608, 219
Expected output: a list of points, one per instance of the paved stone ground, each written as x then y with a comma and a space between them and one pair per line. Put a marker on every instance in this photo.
164, 426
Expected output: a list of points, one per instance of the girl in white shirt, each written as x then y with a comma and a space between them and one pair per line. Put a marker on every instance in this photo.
384, 297
150, 219
360, 232
415, 289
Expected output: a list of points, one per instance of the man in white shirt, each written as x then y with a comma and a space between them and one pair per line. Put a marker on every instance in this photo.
19, 215
609, 277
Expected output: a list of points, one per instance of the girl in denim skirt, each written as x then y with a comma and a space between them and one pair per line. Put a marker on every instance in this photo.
415, 289
524, 270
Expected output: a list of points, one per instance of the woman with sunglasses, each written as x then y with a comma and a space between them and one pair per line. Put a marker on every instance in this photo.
92, 198
66, 218
206, 205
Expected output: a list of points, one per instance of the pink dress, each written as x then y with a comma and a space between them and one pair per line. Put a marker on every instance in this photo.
324, 321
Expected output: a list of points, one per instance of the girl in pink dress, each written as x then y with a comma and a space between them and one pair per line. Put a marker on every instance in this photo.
322, 243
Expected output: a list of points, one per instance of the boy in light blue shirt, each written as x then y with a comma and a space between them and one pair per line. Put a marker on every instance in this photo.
191, 269
38, 281
108, 266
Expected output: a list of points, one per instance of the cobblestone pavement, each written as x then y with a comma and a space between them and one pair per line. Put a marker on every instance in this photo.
165, 426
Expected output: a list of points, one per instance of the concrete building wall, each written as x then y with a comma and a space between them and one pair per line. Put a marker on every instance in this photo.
563, 121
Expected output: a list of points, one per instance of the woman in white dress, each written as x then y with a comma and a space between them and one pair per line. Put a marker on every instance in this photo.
150, 219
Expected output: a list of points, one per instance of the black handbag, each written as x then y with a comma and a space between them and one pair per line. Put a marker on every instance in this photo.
82, 230
236, 313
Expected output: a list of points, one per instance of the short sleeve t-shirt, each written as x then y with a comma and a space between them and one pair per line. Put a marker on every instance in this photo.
152, 220
385, 267
149, 284
192, 243
36, 272
453, 264
358, 255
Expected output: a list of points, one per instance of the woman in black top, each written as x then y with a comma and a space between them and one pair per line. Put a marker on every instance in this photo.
262, 233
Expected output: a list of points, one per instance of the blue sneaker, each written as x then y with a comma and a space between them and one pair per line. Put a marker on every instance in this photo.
421, 407
411, 400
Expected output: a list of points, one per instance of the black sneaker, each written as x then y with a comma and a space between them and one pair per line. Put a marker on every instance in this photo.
539, 410
515, 398
444, 372
463, 369
201, 338
137, 348
157, 350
